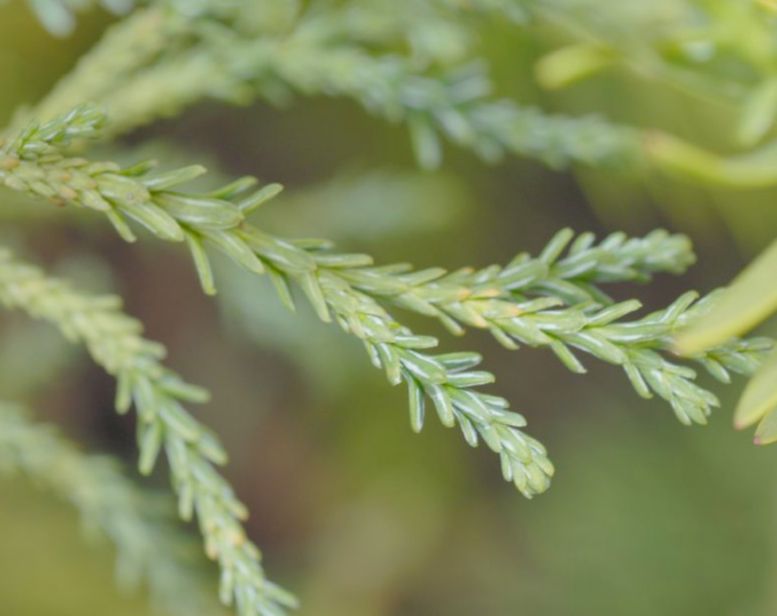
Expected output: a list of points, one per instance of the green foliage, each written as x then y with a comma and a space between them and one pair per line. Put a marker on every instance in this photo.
148, 547
545, 301
209, 218
164, 58
159, 61
693, 46
751, 298
115, 342
417, 65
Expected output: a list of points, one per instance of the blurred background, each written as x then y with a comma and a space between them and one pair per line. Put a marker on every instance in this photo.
353, 512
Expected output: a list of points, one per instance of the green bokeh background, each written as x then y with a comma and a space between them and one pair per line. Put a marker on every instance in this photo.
355, 513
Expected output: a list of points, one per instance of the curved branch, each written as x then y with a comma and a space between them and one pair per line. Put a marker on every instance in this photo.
148, 547
114, 341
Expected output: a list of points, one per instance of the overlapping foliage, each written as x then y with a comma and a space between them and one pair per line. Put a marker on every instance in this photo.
406, 67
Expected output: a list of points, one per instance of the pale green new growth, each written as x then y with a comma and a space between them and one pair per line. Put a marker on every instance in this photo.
148, 548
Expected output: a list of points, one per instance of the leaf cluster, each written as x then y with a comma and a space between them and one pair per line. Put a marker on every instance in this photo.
410, 64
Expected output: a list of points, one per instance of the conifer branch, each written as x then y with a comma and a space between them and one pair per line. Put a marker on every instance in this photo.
405, 62
525, 303
548, 301
31, 164
114, 341
208, 55
166, 57
148, 548
124, 47
456, 105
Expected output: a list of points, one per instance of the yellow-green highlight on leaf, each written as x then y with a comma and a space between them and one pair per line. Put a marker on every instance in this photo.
759, 397
754, 169
766, 433
563, 67
750, 299
758, 113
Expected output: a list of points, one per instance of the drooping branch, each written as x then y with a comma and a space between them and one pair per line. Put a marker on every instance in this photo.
115, 342
148, 548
